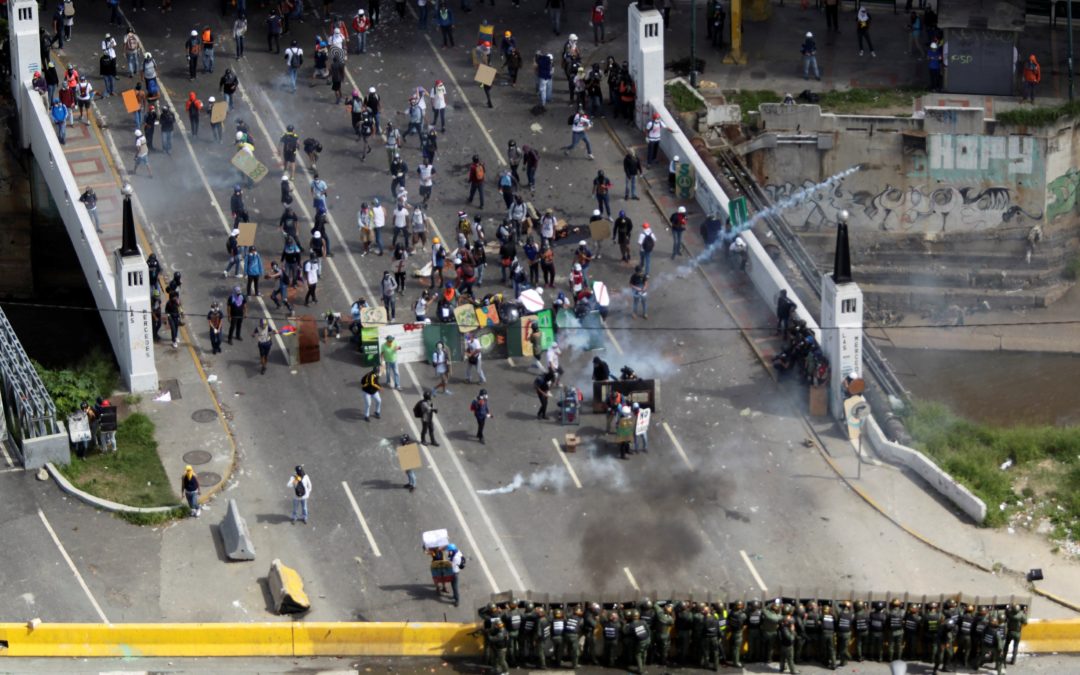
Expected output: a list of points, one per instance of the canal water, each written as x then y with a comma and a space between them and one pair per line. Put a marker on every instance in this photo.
999, 388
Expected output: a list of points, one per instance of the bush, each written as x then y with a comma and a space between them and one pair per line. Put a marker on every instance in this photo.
683, 99
973, 454
1038, 116
95, 375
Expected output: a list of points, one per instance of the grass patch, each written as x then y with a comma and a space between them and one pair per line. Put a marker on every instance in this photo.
1038, 116
1072, 269
94, 375
154, 518
683, 99
1045, 458
841, 102
133, 475
864, 100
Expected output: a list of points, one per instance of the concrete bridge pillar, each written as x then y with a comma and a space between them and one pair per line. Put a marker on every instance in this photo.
646, 59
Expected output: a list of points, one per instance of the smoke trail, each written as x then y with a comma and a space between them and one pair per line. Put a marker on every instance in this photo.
552, 477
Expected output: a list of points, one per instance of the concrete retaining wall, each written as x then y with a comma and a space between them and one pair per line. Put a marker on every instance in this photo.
240, 639
895, 453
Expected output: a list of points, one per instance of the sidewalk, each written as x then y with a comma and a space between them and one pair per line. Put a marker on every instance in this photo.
914, 506
191, 428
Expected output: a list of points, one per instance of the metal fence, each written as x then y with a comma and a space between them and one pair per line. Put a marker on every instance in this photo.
28, 408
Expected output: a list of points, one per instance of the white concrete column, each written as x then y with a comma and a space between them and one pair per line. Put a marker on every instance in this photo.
25, 52
841, 335
646, 58
135, 344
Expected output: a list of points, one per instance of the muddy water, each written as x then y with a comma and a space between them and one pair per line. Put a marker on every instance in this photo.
1001, 388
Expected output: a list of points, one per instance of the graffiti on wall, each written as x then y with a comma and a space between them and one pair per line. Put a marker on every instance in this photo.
1062, 194
911, 209
991, 157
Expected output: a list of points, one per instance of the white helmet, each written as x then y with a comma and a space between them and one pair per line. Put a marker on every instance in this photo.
933, 45
596, 212
583, 242
239, 135
809, 34
573, 37
371, 90
682, 209
212, 99
577, 267
675, 158
194, 33
138, 133
360, 13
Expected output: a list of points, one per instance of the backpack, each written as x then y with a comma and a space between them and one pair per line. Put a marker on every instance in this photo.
461, 565
649, 243
417, 410
300, 489
296, 59
478, 172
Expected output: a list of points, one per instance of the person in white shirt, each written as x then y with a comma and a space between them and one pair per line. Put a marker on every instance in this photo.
473, 359
378, 222
108, 45
300, 484
312, 270
426, 171
457, 563
438, 105
551, 357
401, 224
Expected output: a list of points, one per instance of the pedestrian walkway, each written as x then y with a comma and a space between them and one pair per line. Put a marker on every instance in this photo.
190, 425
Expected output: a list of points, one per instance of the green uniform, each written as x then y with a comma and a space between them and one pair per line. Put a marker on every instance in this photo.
684, 628
931, 622
570, 640
662, 624
1015, 622
878, 621
896, 632
512, 620
637, 634
827, 641
982, 622
993, 643
542, 640
753, 636
710, 653
770, 624
945, 637
734, 637
498, 638
611, 630
862, 633
966, 627
845, 623
588, 629
811, 633
786, 636
697, 634
912, 622
528, 634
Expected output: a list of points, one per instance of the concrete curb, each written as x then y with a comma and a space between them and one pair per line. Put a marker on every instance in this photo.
284, 638
98, 502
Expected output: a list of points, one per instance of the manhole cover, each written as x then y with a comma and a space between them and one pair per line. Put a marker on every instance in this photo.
204, 415
197, 457
208, 478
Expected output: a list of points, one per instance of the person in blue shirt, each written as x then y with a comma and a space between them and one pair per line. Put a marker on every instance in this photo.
253, 266
58, 113
544, 65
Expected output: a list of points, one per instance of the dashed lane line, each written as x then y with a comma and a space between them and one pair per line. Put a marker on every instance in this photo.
363, 521
678, 446
74, 570
566, 461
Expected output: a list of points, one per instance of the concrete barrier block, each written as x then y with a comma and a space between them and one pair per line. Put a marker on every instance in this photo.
386, 639
287, 589
56, 448
235, 535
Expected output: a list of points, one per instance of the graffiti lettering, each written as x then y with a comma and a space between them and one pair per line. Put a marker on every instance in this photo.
969, 152
909, 209
1062, 193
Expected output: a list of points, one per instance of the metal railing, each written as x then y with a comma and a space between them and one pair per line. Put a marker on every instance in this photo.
30, 410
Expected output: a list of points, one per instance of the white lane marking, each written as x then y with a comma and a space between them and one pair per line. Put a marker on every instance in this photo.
614, 342
12, 469
630, 577
363, 522
519, 583
753, 571
405, 410
74, 570
569, 468
299, 201
4, 452
449, 495
678, 446
107, 134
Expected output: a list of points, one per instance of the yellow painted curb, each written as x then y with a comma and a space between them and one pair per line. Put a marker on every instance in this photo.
90, 640
1041, 637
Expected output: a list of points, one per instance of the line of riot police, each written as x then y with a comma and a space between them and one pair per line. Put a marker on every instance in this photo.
692, 634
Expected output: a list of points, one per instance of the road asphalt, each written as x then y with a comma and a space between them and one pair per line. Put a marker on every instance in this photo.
729, 499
